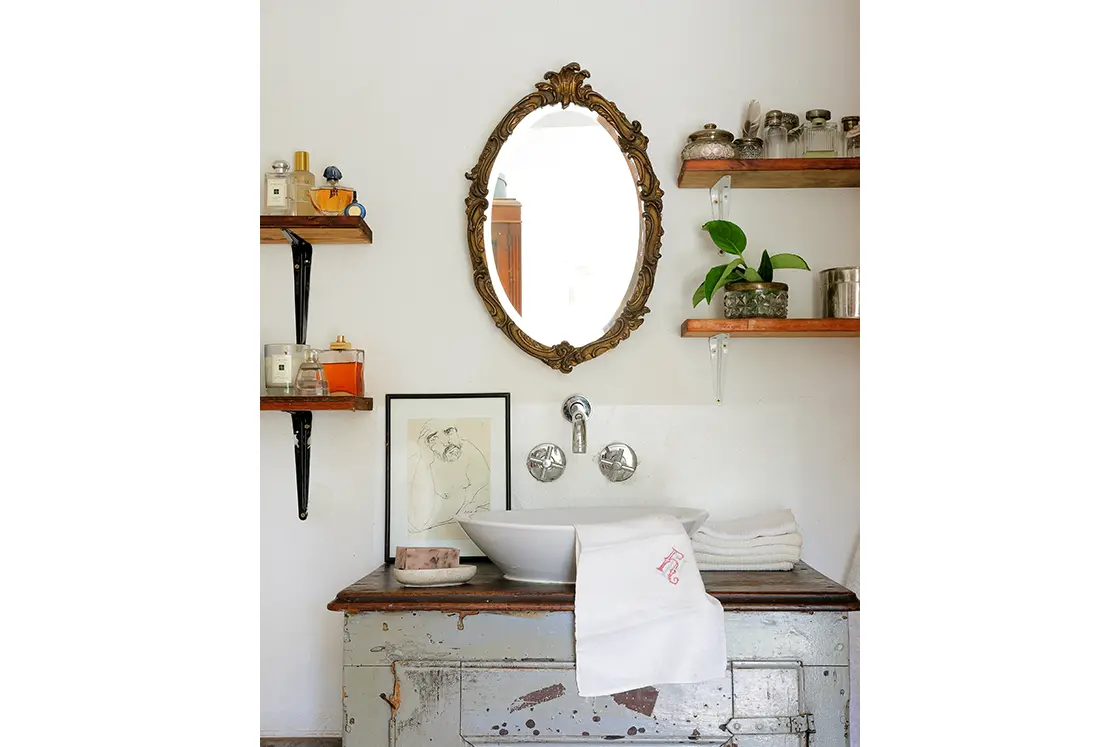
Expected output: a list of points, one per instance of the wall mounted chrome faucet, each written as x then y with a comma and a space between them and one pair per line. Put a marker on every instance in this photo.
546, 462
576, 411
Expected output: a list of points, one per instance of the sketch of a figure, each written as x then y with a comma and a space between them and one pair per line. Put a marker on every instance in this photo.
449, 475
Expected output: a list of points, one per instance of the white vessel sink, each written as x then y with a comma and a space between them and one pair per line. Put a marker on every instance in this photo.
539, 545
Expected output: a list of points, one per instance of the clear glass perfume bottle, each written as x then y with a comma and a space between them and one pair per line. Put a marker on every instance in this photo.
332, 198
277, 185
850, 127
821, 137
302, 182
310, 380
775, 137
343, 365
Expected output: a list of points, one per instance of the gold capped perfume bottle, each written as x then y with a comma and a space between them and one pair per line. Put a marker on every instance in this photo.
343, 365
302, 183
332, 198
821, 138
277, 185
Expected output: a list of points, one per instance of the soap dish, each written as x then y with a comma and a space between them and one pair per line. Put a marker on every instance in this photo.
434, 576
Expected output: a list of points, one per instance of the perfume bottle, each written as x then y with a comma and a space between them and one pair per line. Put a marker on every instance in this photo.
821, 137
277, 185
775, 135
310, 380
850, 126
302, 182
332, 198
343, 365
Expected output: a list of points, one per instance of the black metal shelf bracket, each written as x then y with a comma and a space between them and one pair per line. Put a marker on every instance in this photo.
301, 429
301, 267
301, 421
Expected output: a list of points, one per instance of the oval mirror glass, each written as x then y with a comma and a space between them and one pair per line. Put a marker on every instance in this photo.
563, 228
564, 222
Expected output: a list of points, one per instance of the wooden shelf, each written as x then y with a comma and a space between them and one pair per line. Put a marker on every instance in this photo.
771, 327
317, 229
307, 404
772, 173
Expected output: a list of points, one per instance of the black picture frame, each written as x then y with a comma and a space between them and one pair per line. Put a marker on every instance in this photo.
390, 547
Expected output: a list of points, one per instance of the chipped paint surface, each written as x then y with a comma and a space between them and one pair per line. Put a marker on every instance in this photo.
640, 701
419, 679
535, 698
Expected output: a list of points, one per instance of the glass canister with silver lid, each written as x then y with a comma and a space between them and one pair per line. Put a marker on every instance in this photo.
775, 135
709, 144
793, 134
840, 293
850, 128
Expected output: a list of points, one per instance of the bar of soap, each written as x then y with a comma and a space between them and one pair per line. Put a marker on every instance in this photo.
420, 558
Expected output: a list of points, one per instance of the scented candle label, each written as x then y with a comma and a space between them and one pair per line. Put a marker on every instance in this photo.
280, 370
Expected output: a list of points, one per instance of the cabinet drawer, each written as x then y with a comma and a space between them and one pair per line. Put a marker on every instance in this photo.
504, 701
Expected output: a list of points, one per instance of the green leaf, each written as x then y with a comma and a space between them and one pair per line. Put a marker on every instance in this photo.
726, 235
765, 268
749, 274
698, 296
788, 262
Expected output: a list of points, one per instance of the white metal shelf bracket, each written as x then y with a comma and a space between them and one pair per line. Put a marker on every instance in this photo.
717, 350
721, 198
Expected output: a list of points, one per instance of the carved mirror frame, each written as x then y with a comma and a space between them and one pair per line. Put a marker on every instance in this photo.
564, 88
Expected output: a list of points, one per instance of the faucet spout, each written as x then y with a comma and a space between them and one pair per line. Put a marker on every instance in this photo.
576, 411
579, 433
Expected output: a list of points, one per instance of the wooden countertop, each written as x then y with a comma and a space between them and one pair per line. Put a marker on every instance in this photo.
802, 589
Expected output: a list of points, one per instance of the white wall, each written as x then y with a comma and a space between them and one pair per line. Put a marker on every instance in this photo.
401, 97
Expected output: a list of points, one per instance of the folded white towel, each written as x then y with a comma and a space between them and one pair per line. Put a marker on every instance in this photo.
784, 566
717, 546
769, 524
777, 555
642, 614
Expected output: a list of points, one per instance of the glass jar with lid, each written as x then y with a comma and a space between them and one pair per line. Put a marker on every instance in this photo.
850, 127
793, 134
748, 147
709, 144
820, 137
775, 137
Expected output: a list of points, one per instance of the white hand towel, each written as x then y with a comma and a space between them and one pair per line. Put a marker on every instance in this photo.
769, 524
783, 566
717, 546
642, 614
780, 555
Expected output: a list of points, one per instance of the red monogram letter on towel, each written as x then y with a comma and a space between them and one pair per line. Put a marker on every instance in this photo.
670, 564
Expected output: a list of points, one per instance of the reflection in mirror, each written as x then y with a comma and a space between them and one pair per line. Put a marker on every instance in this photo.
564, 227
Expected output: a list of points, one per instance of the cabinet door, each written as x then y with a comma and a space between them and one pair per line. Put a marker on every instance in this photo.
767, 708
428, 706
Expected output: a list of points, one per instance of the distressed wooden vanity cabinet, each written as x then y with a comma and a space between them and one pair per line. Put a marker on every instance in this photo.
492, 662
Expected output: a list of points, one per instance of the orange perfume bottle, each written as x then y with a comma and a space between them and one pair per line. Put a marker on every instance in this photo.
343, 365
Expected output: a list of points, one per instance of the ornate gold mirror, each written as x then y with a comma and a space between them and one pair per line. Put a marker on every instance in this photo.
564, 252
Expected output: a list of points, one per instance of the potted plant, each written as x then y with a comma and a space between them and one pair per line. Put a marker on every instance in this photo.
750, 292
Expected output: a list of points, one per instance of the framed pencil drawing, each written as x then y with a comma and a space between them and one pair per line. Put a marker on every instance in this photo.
446, 456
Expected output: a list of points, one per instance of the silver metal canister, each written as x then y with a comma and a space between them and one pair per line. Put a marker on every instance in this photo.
840, 293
